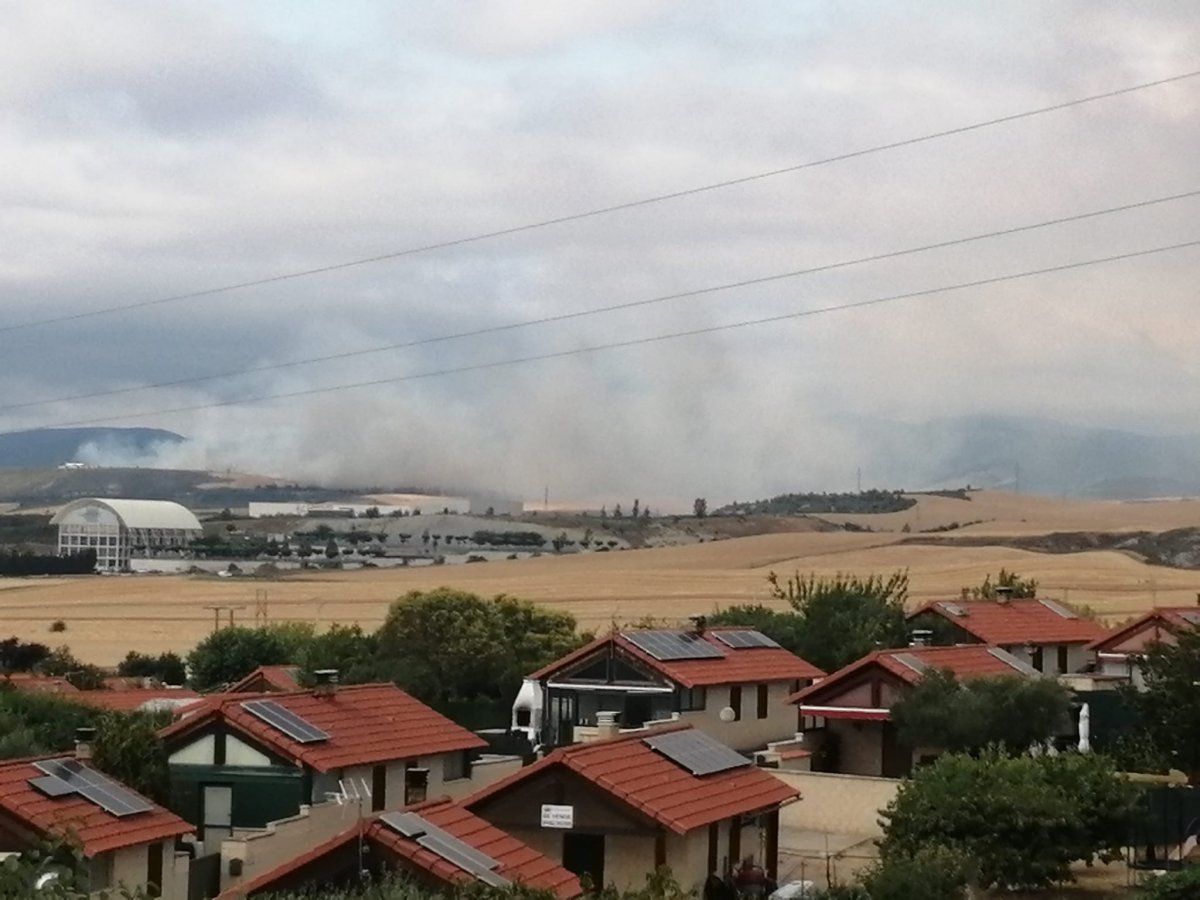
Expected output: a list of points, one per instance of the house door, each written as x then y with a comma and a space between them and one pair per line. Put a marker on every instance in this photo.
564, 713
897, 758
583, 854
217, 817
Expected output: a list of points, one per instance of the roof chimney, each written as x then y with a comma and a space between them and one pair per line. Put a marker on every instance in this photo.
326, 681
606, 725
1003, 593
921, 637
698, 622
84, 738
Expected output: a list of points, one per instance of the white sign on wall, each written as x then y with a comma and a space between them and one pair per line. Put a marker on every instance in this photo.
557, 816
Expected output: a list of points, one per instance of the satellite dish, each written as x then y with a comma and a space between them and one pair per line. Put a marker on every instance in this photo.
45, 880
727, 714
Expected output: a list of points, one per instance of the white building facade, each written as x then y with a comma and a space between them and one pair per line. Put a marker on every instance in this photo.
119, 529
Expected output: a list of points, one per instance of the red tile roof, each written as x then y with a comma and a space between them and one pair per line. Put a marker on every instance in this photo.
517, 861
740, 666
96, 830
129, 700
268, 678
964, 660
1017, 621
644, 780
366, 723
1169, 618
41, 684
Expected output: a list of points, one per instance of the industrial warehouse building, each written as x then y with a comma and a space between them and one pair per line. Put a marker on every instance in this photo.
117, 529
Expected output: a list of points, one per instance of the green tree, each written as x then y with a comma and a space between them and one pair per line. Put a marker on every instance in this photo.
1018, 588
930, 873
331, 549
372, 512
636, 509
127, 748
445, 645
1181, 885
1019, 822
1168, 708
231, 653
845, 617
166, 667
346, 648
62, 663
700, 507
1006, 711
617, 514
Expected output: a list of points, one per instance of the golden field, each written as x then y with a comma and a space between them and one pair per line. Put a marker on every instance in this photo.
108, 616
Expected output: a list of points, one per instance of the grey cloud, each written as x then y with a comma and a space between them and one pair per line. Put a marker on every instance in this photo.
249, 154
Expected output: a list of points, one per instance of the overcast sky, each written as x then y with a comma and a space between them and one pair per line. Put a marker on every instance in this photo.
150, 149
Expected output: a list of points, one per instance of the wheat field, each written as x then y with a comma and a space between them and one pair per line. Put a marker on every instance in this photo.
105, 617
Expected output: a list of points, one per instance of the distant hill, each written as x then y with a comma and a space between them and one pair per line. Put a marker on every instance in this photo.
1049, 458
44, 448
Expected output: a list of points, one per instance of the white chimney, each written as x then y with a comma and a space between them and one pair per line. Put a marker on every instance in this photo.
606, 725
84, 738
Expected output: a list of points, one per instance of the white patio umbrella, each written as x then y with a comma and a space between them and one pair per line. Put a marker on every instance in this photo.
1085, 729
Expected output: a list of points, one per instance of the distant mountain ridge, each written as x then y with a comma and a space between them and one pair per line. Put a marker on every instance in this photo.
1043, 457
44, 448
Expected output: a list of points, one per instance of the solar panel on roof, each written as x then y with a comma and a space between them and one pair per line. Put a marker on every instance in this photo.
1059, 609
954, 609
51, 786
665, 644
915, 663
66, 776
447, 846
1020, 665
285, 721
1191, 615
696, 752
744, 640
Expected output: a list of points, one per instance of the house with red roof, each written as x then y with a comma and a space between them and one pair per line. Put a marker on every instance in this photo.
1118, 653
854, 703
438, 844
732, 683
126, 840
1047, 635
266, 679
619, 808
240, 761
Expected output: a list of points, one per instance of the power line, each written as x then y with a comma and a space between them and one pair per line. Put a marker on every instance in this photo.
579, 314
603, 210
633, 342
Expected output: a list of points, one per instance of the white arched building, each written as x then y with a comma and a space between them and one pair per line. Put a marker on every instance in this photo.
115, 528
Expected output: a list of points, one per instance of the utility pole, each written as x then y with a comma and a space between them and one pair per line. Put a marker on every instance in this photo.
260, 607
216, 611
231, 611
546, 498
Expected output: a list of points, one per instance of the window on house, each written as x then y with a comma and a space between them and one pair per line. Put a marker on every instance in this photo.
735, 702
691, 699
1035, 658
763, 700
416, 785
1062, 658
455, 766
523, 718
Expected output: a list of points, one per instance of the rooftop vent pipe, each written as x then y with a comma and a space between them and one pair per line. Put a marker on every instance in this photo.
326, 682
